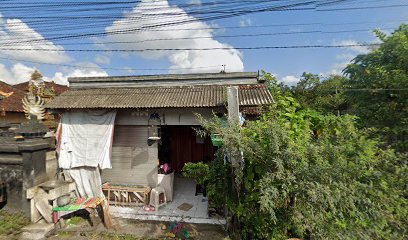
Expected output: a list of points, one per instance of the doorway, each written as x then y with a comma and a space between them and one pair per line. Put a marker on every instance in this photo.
181, 144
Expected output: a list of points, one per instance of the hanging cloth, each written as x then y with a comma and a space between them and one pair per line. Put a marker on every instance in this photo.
86, 139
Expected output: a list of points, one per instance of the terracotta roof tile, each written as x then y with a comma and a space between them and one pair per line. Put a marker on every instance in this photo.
57, 87
13, 102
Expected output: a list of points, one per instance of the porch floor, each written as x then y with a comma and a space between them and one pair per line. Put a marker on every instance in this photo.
183, 192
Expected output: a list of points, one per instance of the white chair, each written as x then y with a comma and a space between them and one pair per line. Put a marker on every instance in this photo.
158, 197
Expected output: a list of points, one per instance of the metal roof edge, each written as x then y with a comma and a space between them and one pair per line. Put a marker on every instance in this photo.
165, 77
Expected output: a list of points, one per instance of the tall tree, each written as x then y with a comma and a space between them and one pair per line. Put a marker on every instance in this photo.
325, 95
379, 87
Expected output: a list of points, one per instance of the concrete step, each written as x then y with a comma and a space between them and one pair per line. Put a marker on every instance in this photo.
32, 236
42, 228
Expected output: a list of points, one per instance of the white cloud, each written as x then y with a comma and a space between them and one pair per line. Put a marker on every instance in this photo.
19, 73
102, 59
245, 21
93, 70
5, 74
153, 13
16, 34
196, 2
290, 80
355, 49
344, 58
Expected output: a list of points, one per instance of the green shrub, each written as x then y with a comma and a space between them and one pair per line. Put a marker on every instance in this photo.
310, 175
197, 171
212, 177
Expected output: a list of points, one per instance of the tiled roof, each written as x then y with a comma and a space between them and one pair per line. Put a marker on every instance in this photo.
57, 87
158, 97
11, 103
6, 88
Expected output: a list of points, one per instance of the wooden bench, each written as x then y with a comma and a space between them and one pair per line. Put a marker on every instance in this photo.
126, 195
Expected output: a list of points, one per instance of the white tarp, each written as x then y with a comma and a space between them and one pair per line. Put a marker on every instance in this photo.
84, 144
86, 139
87, 179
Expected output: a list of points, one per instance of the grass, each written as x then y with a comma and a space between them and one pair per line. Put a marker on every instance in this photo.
114, 236
12, 223
75, 220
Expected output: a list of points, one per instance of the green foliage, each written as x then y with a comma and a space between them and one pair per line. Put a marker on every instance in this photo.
324, 95
314, 175
197, 171
381, 80
212, 176
215, 184
12, 223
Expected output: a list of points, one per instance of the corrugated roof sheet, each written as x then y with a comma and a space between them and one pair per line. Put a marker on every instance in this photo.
158, 97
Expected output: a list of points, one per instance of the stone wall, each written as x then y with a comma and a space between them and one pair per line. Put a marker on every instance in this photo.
22, 166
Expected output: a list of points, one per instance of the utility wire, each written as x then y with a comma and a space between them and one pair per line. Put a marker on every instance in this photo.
192, 49
210, 37
109, 68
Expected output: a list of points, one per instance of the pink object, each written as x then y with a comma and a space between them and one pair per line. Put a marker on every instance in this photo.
177, 228
148, 208
166, 168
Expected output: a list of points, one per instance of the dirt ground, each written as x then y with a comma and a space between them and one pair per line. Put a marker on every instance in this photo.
136, 229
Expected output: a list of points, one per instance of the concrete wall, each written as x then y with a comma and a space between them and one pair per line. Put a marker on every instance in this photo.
133, 161
173, 116
22, 166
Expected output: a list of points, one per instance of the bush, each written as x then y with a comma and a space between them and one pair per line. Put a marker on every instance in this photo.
310, 175
212, 177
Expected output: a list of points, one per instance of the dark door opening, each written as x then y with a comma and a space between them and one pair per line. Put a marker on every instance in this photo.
180, 144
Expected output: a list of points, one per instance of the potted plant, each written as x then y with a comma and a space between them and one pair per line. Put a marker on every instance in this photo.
199, 172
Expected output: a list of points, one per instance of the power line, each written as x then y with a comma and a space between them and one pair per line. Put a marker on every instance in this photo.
183, 21
75, 36
110, 68
192, 49
212, 36
362, 8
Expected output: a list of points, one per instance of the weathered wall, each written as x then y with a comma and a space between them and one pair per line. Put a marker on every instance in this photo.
15, 117
22, 166
133, 161
13, 176
173, 116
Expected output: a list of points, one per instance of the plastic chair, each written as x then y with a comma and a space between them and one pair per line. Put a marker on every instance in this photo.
158, 197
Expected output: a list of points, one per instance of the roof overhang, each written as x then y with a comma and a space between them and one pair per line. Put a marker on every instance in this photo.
159, 97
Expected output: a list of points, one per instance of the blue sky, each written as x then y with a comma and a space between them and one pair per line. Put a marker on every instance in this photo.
280, 28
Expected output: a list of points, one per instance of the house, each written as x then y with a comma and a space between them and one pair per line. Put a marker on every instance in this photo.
11, 96
11, 106
172, 99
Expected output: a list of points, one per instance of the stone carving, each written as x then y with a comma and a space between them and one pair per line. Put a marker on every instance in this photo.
34, 105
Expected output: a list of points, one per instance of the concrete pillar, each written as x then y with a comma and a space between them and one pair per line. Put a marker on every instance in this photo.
22, 166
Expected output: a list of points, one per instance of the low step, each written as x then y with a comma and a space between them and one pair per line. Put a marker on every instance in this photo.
39, 228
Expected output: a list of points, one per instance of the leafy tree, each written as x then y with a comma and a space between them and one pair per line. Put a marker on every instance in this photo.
379, 87
325, 95
314, 175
